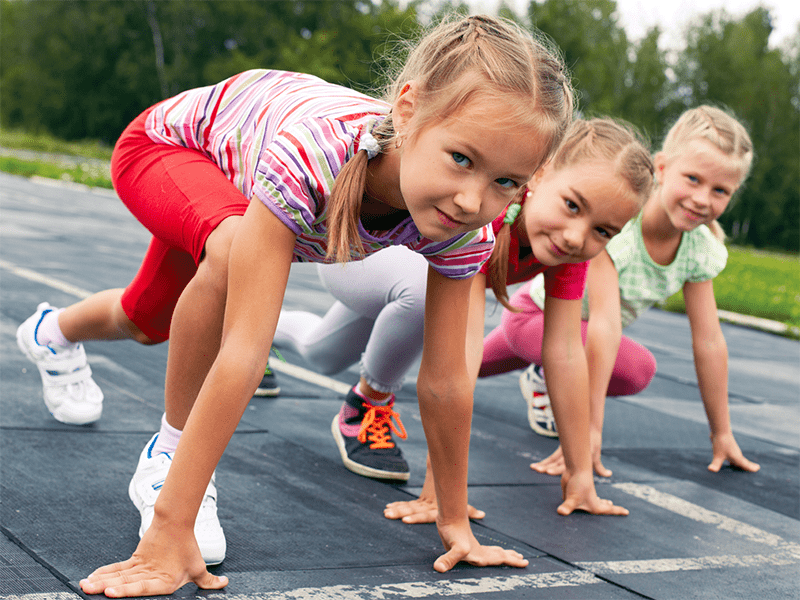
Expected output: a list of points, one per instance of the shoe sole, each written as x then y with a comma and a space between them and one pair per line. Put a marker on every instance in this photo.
357, 468
267, 392
56, 414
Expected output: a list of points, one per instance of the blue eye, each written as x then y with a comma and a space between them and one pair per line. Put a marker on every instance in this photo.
604, 233
460, 159
571, 206
507, 183
692, 178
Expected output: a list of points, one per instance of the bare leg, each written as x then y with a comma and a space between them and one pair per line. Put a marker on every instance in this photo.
196, 329
100, 317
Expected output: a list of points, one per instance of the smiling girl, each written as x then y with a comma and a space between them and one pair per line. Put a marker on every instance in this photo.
598, 179
239, 179
674, 244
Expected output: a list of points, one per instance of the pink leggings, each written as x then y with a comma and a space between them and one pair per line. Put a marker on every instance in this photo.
517, 342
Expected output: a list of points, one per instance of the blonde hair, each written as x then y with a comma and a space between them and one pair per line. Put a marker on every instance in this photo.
596, 139
723, 130
501, 60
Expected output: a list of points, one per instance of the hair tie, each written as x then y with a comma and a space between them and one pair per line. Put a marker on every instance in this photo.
511, 213
370, 144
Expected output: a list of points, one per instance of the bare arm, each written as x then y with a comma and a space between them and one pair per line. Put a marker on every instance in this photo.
564, 361
711, 365
604, 332
167, 556
445, 389
424, 508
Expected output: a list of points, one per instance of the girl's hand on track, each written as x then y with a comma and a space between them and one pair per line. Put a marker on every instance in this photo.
422, 510
162, 563
461, 545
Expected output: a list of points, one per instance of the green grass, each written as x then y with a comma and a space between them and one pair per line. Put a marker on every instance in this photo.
756, 283
17, 139
90, 174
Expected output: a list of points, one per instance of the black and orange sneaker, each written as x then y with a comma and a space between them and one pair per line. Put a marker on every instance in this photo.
363, 433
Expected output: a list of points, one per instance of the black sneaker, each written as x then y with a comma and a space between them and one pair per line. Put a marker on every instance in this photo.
363, 433
269, 384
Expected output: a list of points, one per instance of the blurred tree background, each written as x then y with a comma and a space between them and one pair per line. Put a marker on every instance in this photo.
85, 68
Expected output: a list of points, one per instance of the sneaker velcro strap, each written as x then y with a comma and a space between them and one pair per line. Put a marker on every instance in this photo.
53, 377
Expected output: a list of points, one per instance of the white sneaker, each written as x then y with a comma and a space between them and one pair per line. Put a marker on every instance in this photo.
70, 393
145, 487
534, 390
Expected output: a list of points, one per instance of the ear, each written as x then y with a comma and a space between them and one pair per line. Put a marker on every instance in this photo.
537, 176
404, 106
659, 163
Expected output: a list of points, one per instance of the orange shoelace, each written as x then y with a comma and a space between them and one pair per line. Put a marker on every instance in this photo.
376, 424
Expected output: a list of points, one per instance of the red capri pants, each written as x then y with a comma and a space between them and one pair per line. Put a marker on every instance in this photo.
180, 196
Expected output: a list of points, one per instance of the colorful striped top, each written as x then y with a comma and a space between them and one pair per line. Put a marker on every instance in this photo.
283, 137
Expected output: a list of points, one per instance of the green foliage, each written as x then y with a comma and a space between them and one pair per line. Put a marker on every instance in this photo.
17, 138
757, 283
85, 68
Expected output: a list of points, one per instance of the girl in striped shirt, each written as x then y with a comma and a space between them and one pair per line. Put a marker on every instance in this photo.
237, 180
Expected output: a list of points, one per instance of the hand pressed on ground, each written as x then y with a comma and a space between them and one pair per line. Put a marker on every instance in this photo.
162, 563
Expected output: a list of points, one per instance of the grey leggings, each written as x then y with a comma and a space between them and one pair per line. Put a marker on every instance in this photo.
378, 317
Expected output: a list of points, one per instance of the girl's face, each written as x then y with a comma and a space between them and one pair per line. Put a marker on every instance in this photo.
458, 174
696, 185
571, 213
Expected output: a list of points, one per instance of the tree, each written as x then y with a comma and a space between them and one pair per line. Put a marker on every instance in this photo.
729, 63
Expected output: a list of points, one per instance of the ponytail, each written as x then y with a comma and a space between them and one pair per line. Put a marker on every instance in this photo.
497, 270
344, 210
717, 231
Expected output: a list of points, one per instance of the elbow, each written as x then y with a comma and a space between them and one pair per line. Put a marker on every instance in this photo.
443, 390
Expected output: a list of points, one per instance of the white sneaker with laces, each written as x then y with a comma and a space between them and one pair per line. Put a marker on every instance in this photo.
144, 489
70, 393
534, 390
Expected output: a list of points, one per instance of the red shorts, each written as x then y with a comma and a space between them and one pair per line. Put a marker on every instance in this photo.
181, 196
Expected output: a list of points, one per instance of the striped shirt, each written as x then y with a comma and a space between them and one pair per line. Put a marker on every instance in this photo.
283, 138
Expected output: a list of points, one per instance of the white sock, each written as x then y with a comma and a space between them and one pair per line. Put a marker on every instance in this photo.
49, 332
168, 437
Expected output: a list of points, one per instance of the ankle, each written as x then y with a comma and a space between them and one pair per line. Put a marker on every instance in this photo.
374, 396
168, 438
49, 333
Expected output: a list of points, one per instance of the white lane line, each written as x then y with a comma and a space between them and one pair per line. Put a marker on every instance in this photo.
44, 279
277, 365
424, 589
308, 376
709, 517
665, 565
42, 596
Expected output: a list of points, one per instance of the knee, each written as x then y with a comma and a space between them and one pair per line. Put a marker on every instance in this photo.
641, 374
213, 268
130, 330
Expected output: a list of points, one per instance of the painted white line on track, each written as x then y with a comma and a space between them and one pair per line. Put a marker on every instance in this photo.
275, 364
67, 288
309, 376
424, 589
665, 565
42, 596
709, 517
